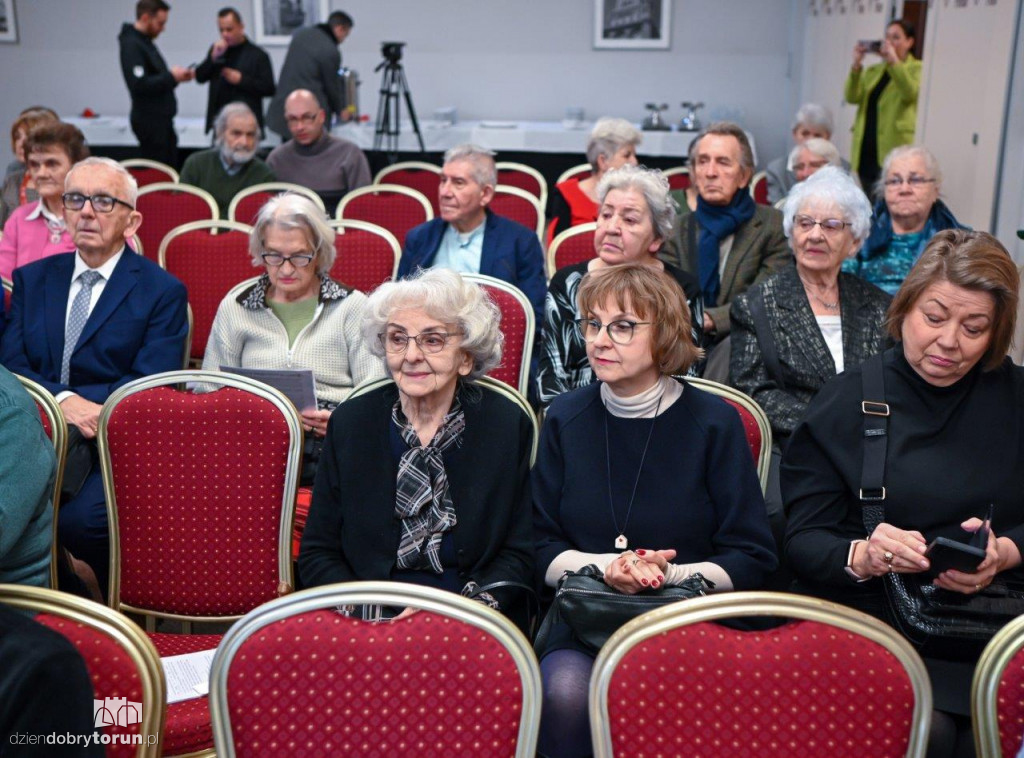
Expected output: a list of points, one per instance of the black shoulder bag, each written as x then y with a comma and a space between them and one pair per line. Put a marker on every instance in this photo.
927, 615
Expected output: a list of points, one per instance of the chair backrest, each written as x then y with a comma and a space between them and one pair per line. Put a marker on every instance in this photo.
583, 170
368, 255
246, 204
457, 678
390, 206
997, 693
200, 490
678, 177
209, 257
517, 324
574, 245
8, 287
759, 188
56, 428
418, 175
817, 686
524, 177
121, 661
148, 171
755, 422
519, 206
165, 205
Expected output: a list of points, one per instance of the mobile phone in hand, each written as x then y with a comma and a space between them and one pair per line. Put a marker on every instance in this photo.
872, 45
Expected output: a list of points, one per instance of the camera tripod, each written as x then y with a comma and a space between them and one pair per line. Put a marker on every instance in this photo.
393, 86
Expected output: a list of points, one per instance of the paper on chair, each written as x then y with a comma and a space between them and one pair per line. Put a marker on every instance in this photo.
297, 384
188, 675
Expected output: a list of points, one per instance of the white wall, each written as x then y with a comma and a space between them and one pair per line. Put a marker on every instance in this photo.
527, 59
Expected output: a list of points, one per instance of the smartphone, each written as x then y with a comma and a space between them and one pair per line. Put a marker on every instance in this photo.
872, 45
945, 554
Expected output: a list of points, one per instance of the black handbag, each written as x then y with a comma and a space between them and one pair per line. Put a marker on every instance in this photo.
928, 616
594, 611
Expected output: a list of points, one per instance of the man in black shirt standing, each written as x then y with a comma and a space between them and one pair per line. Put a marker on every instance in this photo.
236, 69
150, 83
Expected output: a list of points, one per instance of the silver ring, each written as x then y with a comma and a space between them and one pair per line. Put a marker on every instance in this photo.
887, 556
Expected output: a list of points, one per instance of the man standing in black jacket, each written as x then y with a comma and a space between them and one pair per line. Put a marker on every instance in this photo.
236, 69
150, 83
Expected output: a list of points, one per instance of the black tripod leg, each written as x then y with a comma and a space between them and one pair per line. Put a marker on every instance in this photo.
412, 111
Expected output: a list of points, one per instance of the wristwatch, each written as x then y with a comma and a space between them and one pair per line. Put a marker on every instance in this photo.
849, 563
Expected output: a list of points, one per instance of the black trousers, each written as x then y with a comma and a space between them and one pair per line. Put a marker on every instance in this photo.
157, 139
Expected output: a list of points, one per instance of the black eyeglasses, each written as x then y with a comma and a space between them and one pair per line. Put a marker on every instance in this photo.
428, 342
620, 332
75, 201
276, 259
828, 225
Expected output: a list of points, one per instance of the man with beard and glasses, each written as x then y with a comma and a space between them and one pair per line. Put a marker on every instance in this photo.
231, 165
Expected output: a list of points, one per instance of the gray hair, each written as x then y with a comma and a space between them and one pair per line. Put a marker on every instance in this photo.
830, 185
931, 164
815, 116
131, 187
446, 296
228, 112
650, 183
820, 147
729, 129
291, 210
480, 158
608, 136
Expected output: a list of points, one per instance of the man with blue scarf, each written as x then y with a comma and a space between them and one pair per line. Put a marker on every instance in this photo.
729, 242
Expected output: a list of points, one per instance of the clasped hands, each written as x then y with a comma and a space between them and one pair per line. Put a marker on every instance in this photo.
638, 570
902, 552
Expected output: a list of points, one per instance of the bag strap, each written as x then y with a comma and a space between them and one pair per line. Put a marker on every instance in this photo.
532, 602
765, 340
876, 442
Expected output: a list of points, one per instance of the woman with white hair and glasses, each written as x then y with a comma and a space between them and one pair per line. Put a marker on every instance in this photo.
295, 316
425, 479
812, 121
612, 143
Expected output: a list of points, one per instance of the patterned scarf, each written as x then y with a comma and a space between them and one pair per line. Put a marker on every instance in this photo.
422, 500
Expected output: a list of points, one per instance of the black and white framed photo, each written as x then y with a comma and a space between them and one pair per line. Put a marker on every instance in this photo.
277, 20
8, 21
633, 24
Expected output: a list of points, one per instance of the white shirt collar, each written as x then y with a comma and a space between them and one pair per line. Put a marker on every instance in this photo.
106, 270
42, 210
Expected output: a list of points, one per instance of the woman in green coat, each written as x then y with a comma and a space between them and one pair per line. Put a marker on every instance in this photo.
886, 96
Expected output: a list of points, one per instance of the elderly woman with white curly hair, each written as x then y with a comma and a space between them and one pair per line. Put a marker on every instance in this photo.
426, 479
295, 316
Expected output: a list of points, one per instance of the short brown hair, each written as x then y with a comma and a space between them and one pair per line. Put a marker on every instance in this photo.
62, 135
150, 8
976, 261
28, 120
729, 129
654, 296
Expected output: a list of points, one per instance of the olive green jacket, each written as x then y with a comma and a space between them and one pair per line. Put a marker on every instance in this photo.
897, 105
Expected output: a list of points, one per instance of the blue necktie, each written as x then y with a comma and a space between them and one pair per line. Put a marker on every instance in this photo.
76, 320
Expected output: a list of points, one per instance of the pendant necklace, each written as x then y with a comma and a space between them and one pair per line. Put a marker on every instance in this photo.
621, 543
828, 306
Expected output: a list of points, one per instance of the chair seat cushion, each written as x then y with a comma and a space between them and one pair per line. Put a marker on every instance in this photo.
188, 726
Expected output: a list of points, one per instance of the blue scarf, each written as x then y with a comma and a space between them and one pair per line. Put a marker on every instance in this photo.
716, 223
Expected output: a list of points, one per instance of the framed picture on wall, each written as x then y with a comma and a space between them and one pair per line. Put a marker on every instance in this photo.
277, 20
633, 24
8, 21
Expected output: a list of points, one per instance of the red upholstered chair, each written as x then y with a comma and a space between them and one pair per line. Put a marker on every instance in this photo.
121, 661
997, 694
56, 428
519, 206
148, 172
209, 257
418, 175
574, 245
759, 188
297, 678
835, 682
583, 170
517, 324
390, 206
247, 203
200, 490
165, 205
678, 178
368, 255
755, 422
524, 177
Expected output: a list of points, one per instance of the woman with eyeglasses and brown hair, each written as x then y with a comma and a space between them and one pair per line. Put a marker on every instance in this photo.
295, 316
426, 479
645, 476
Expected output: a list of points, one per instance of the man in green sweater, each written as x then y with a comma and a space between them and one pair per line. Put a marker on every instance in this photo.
231, 164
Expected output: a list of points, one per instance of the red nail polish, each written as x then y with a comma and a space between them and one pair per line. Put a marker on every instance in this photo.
643, 582
655, 583
641, 552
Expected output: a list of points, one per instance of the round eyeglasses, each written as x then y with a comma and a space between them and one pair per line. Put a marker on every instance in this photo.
620, 332
428, 342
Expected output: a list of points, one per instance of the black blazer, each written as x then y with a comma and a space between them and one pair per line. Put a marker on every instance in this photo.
352, 532
804, 358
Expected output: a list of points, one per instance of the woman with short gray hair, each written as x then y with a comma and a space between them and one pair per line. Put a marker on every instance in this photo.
425, 479
295, 316
612, 144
